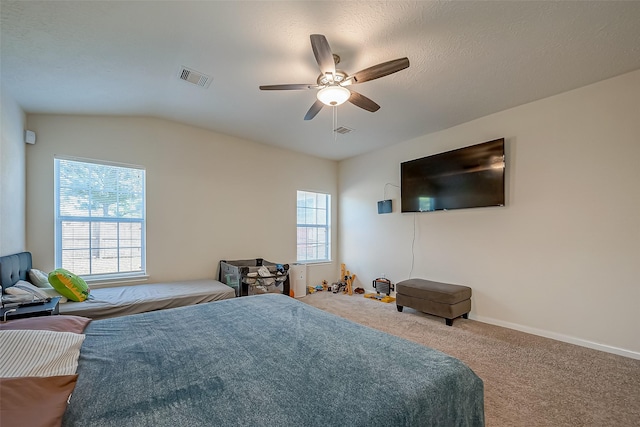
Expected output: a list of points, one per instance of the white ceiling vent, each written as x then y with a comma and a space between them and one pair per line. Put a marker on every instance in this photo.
343, 130
195, 77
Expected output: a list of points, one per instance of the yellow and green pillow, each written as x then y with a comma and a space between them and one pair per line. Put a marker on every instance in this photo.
69, 285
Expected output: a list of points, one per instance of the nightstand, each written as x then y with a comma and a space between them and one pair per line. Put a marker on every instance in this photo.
46, 309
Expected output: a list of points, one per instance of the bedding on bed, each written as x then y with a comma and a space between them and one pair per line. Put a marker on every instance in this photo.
123, 300
29, 353
265, 360
38, 361
35, 401
60, 323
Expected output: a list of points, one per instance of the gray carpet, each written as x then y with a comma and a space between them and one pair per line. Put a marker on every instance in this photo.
529, 380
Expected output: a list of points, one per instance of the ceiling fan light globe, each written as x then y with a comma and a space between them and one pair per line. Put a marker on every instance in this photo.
333, 95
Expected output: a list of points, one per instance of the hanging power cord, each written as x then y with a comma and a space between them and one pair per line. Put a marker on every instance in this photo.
384, 191
413, 243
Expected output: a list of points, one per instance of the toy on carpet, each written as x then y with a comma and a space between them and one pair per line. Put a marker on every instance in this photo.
338, 286
345, 284
348, 279
317, 288
384, 285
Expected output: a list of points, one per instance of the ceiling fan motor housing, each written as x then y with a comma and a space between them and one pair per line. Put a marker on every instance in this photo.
328, 78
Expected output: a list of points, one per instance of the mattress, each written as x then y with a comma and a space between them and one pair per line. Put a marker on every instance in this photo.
124, 300
264, 360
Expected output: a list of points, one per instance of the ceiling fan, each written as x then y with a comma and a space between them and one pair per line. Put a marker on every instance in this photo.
333, 83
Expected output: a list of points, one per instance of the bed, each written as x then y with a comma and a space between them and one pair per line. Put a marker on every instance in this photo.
264, 360
122, 300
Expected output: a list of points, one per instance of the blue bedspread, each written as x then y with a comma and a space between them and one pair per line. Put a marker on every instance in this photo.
265, 360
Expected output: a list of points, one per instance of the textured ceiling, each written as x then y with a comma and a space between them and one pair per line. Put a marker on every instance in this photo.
468, 60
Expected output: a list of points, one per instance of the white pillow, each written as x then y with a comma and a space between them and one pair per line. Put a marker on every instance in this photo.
17, 296
39, 278
53, 293
13, 290
29, 353
26, 286
17, 291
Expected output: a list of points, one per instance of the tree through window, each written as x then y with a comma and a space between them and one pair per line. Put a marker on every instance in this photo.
100, 218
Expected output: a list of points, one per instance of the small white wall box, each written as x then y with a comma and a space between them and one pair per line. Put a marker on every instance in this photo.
384, 206
29, 137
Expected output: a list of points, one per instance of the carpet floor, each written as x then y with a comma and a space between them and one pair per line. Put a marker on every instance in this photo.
528, 380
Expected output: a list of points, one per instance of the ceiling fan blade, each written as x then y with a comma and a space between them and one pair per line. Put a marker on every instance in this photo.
363, 102
323, 53
380, 70
288, 87
315, 109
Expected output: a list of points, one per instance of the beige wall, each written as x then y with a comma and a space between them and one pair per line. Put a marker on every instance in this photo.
562, 259
12, 176
209, 196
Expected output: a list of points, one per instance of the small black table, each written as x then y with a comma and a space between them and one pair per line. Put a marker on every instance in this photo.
18, 312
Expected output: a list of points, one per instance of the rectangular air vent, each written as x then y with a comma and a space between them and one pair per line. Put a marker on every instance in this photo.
343, 130
194, 77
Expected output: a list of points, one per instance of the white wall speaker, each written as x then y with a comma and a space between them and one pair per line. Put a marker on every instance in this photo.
29, 137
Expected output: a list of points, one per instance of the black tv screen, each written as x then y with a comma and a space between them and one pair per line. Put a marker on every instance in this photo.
469, 177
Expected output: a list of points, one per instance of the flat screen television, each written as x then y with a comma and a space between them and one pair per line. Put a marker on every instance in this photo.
469, 177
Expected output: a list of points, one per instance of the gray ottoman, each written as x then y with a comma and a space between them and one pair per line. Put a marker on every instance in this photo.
439, 299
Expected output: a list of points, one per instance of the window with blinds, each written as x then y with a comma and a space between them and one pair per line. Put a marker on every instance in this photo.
99, 218
313, 227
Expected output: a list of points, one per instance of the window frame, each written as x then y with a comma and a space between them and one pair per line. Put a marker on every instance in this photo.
306, 226
88, 219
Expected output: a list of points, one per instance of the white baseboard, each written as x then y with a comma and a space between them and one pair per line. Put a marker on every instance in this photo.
559, 337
